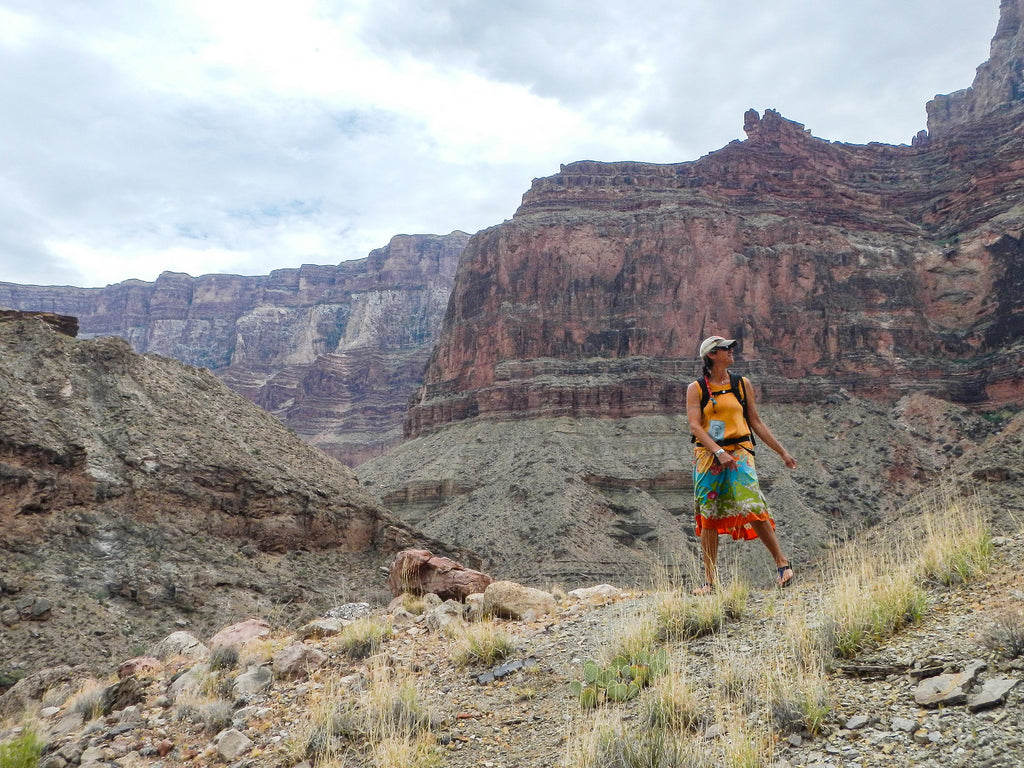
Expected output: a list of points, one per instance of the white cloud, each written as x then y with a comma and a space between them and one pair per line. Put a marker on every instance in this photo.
244, 136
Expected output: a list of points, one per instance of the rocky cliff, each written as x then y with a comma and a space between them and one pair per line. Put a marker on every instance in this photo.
333, 351
877, 292
137, 494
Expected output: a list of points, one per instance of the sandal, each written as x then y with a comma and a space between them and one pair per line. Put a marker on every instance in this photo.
783, 581
704, 589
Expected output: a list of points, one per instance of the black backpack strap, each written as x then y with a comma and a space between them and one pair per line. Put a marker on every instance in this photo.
737, 386
705, 395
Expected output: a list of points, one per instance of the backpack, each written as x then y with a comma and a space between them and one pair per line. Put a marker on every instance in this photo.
737, 388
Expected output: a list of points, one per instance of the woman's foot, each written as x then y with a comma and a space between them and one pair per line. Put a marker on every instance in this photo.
786, 575
704, 589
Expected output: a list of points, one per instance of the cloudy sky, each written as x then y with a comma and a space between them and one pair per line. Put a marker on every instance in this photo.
242, 136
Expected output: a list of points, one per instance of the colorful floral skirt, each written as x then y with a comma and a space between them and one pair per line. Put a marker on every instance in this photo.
727, 500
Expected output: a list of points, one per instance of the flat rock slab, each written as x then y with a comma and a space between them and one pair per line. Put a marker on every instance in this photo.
948, 690
992, 693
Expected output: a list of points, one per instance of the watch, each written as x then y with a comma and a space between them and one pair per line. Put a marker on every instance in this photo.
720, 451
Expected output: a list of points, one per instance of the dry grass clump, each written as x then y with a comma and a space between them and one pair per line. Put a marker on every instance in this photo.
796, 702
223, 658
683, 616
672, 704
414, 604
608, 742
1005, 635
481, 643
875, 594
869, 601
210, 714
419, 751
88, 700
385, 723
957, 545
362, 638
636, 640
256, 652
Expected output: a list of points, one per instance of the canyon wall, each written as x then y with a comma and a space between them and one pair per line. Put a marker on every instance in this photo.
333, 351
878, 269
877, 292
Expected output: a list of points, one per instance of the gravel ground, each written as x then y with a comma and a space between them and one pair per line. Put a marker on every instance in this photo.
529, 719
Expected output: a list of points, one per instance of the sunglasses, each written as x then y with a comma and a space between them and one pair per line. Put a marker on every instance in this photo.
722, 349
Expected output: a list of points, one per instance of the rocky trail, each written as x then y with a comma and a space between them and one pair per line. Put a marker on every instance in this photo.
266, 707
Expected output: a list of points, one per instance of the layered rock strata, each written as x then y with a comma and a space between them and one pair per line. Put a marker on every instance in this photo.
861, 281
137, 492
333, 351
877, 269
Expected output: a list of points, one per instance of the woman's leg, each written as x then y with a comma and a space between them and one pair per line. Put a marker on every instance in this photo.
709, 549
766, 534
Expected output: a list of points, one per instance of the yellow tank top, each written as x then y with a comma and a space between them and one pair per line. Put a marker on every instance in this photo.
723, 416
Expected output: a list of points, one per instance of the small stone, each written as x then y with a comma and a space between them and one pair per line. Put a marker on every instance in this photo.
856, 722
904, 724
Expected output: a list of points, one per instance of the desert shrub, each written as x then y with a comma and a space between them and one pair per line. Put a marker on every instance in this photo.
225, 657
88, 701
1005, 636
23, 751
211, 714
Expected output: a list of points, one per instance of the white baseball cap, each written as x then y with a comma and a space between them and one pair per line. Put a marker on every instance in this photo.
712, 343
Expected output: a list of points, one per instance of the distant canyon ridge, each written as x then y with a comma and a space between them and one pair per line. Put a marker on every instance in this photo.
333, 351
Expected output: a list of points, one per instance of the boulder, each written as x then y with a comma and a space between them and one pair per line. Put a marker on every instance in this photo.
140, 666
254, 680
600, 593
442, 615
237, 635
296, 661
180, 644
420, 572
232, 744
510, 600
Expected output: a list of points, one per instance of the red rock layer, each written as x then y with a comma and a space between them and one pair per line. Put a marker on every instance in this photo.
881, 269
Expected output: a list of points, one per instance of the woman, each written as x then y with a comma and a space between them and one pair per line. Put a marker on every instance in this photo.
727, 497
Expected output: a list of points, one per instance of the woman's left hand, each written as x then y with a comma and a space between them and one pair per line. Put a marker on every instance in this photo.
788, 460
